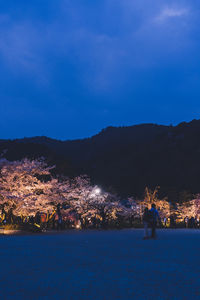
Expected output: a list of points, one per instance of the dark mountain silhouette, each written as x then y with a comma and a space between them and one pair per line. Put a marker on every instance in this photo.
125, 159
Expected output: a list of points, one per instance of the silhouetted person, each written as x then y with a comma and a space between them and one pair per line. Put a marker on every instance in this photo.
186, 220
31, 220
154, 218
192, 222
165, 222
59, 222
146, 223
172, 222
196, 222
37, 217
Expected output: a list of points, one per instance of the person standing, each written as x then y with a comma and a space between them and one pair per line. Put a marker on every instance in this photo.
154, 218
165, 222
186, 222
146, 223
59, 223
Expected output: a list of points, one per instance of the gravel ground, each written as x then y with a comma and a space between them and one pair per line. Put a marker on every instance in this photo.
101, 265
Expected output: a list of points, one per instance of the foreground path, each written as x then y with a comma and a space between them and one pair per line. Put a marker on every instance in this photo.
101, 265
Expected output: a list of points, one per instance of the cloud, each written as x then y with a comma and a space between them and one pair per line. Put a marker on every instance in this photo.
168, 13
102, 49
20, 48
97, 56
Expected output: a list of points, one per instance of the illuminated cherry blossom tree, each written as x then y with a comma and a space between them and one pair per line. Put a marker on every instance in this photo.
27, 186
189, 209
138, 205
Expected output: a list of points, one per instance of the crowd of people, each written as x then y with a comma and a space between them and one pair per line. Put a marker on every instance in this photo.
192, 222
41, 221
61, 219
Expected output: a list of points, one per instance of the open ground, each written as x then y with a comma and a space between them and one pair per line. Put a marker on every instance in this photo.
101, 265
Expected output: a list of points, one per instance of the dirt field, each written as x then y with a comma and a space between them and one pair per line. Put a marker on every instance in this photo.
101, 265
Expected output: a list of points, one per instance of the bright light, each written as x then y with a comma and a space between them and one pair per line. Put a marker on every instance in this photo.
97, 191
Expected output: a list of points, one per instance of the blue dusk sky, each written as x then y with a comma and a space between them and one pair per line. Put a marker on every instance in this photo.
72, 67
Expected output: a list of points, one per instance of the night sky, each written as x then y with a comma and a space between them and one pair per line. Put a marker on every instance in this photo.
72, 67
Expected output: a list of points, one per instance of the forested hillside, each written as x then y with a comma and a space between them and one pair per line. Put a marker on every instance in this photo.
125, 159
